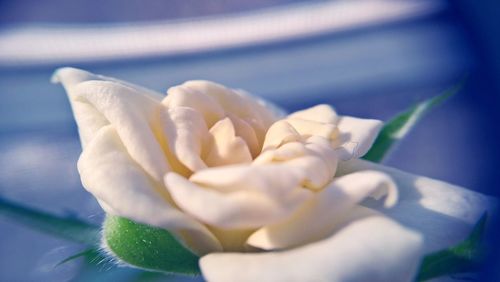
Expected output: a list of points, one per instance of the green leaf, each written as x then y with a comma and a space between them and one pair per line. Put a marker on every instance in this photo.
464, 257
399, 126
148, 247
65, 227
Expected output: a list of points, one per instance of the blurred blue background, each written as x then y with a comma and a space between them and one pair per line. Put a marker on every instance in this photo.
374, 59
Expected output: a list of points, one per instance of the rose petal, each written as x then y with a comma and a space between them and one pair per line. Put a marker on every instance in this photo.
318, 217
133, 114
285, 152
247, 107
89, 119
70, 77
273, 179
182, 96
281, 132
315, 158
321, 113
442, 212
225, 147
244, 130
356, 136
186, 132
321, 147
232, 240
316, 173
124, 189
369, 248
308, 128
241, 209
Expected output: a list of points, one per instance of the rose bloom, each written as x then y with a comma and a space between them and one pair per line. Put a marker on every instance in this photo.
260, 195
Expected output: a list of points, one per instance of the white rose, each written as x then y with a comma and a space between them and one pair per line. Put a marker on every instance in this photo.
225, 172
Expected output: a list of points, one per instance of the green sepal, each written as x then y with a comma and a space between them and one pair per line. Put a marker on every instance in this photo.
146, 247
463, 257
399, 126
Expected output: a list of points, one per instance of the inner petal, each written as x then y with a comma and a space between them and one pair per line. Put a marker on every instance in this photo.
279, 133
236, 102
244, 130
186, 133
182, 96
225, 148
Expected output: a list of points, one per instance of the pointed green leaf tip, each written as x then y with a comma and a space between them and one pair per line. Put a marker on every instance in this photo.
464, 257
399, 126
147, 247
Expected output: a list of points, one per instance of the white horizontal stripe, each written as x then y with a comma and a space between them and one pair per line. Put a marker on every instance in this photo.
63, 43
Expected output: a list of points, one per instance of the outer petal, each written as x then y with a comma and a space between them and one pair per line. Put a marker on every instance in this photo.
318, 218
70, 77
130, 109
124, 189
89, 119
356, 136
241, 209
442, 212
370, 248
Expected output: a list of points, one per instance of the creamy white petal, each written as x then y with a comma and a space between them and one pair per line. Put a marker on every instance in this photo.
272, 179
321, 147
225, 147
368, 248
244, 130
236, 102
281, 132
315, 158
182, 96
132, 113
89, 119
356, 136
70, 77
316, 173
241, 209
442, 212
316, 162
186, 132
309, 128
320, 113
266, 110
110, 174
233, 240
285, 152
320, 215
